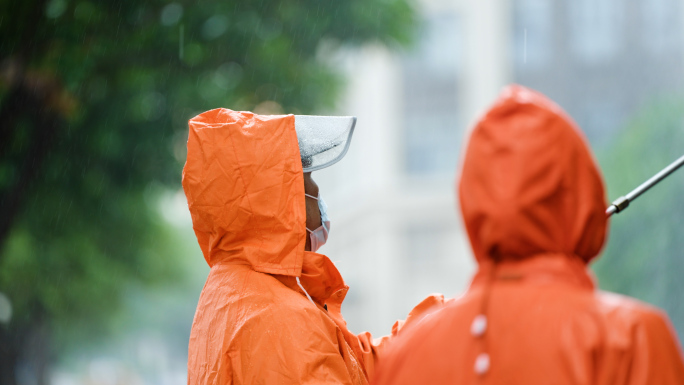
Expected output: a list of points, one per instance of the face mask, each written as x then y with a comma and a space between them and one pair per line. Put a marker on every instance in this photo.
320, 235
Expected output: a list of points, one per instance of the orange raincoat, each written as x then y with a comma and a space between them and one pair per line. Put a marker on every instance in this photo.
533, 204
254, 325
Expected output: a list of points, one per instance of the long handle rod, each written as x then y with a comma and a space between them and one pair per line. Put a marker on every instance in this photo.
623, 202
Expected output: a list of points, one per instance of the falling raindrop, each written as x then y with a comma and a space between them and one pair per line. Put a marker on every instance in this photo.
181, 41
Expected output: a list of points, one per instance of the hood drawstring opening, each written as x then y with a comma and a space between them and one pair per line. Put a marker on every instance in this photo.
304, 290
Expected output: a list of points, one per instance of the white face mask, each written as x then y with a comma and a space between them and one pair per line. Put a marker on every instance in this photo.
320, 235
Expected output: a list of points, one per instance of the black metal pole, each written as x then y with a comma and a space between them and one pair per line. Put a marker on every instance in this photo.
623, 202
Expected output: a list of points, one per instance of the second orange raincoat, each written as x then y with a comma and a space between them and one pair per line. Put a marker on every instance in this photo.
533, 204
254, 325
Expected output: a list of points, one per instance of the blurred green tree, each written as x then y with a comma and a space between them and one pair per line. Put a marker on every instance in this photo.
94, 100
644, 257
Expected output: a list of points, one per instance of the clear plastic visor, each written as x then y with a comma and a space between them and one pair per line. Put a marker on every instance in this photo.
323, 140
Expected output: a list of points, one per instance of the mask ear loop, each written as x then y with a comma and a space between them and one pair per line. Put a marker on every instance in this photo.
304, 290
297, 278
307, 229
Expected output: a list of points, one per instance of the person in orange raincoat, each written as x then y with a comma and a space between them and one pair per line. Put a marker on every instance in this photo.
269, 312
533, 204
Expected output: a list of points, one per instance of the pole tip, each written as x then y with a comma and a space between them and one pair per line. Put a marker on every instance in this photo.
618, 205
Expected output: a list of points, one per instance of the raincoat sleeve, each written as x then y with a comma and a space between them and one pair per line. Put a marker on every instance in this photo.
373, 349
657, 357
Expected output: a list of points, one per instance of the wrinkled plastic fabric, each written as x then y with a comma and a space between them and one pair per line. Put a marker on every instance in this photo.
323, 140
253, 324
533, 205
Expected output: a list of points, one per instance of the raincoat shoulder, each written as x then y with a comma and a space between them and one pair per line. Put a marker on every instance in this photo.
591, 338
276, 335
656, 355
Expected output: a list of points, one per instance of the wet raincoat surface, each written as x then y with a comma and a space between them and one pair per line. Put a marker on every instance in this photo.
533, 205
254, 325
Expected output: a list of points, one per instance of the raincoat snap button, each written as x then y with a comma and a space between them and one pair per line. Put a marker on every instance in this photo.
479, 325
482, 363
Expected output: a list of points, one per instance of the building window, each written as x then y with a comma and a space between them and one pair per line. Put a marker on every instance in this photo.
595, 29
662, 21
431, 116
533, 33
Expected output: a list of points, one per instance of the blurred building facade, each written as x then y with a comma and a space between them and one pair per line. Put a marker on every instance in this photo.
600, 59
396, 230
396, 233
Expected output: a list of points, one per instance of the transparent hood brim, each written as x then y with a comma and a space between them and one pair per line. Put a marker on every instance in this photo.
323, 140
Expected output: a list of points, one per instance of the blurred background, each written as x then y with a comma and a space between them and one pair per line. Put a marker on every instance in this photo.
100, 271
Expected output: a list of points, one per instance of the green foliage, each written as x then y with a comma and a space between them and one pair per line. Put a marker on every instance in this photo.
122, 78
645, 254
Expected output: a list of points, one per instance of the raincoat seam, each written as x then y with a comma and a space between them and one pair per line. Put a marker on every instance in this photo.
299, 256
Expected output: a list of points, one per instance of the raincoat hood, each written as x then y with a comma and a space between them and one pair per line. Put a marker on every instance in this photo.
245, 189
529, 184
